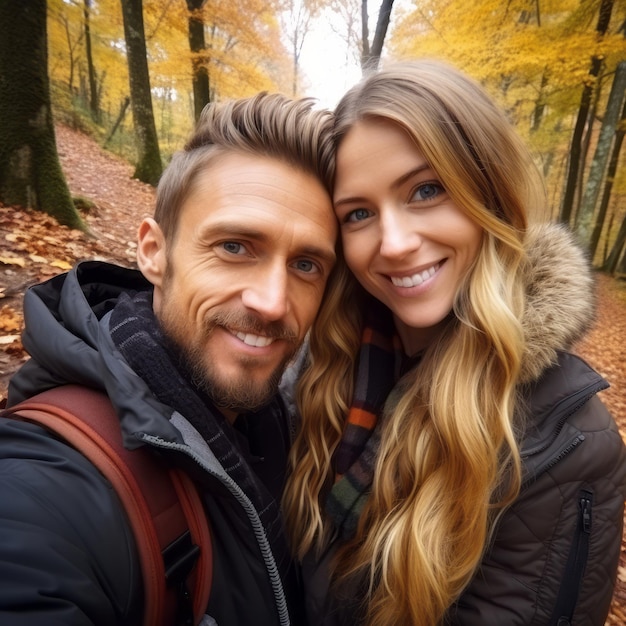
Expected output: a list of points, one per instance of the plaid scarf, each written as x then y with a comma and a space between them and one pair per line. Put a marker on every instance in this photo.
379, 364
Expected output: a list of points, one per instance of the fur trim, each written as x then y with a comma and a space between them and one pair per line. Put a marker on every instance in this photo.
560, 300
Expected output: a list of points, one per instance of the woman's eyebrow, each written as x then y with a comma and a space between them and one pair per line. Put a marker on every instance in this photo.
397, 183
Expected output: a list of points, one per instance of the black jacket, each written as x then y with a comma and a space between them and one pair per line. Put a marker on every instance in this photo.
67, 555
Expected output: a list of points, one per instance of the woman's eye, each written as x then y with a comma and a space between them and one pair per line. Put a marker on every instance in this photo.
427, 191
233, 247
357, 215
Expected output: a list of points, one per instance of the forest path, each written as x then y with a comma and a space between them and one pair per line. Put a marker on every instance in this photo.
33, 248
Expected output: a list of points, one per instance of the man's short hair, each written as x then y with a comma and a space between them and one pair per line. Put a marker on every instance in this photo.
269, 125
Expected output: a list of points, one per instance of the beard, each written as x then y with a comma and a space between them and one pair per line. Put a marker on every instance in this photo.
242, 391
238, 394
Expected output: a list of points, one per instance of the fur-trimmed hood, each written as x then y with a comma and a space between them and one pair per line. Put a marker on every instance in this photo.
560, 301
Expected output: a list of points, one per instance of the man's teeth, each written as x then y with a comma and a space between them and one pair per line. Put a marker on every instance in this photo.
258, 341
416, 279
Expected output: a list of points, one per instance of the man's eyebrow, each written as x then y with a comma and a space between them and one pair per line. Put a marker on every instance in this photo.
324, 254
228, 229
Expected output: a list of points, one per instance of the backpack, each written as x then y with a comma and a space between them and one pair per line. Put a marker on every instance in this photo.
162, 505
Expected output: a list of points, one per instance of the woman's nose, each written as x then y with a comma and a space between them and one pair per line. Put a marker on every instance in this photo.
398, 235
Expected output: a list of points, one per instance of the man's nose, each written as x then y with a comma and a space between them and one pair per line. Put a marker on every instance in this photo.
267, 293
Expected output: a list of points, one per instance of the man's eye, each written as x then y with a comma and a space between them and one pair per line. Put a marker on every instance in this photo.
428, 191
233, 247
358, 215
305, 266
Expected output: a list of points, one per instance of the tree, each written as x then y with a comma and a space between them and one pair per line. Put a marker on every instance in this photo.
353, 13
30, 172
608, 185
612, 261
371, 54
297, 24
149, 167
601, 156
94, 105
58, 15
348, 27
575, 154
199, 60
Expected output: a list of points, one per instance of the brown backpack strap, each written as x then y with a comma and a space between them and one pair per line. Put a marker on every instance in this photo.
161, 505
202, 574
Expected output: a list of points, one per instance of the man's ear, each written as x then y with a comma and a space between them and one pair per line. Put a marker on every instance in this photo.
151, 252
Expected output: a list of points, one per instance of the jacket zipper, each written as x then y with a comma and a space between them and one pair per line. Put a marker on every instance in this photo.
573, 404
554, 460
253, 517
576, 563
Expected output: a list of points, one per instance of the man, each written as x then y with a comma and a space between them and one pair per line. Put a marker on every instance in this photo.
190, 351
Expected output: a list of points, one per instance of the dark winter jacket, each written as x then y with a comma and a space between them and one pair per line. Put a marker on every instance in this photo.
555, 552
67, 554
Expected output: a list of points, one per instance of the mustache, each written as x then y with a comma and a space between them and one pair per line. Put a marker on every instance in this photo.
248, 323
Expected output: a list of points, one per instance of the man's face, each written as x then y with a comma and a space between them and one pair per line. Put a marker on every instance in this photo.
239, 286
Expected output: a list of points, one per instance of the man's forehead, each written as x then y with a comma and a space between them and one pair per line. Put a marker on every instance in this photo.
260, 183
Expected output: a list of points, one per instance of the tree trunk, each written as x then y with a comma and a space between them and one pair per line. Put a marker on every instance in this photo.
618, 247
540, 104
622, 266
584, 152
199, 59
149, 166
119, 119
608, 185
371, 55
575, 153
365, 35
94, 106
30, 172
601, 156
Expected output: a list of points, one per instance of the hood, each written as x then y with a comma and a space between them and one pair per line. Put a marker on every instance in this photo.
560, 301
66, 334
62, 326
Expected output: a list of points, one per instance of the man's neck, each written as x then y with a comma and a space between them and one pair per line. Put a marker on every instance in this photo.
229, 414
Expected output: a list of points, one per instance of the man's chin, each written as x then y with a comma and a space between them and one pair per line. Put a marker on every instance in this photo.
240, 395
240, 401
235, 385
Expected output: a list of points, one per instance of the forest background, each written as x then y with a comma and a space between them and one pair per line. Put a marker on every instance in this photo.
133, 76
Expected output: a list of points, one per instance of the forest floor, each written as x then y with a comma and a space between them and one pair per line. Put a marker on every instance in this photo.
33, 247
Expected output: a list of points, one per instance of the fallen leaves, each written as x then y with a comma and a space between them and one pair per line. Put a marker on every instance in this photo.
9, 260
34, 247
9, 320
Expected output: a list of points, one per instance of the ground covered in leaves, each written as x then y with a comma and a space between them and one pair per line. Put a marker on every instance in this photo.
33, 248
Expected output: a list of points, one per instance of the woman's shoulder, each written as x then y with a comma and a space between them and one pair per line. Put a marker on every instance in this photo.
558, 395
562, 411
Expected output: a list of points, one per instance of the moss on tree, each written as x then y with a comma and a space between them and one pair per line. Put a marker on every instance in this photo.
30, 171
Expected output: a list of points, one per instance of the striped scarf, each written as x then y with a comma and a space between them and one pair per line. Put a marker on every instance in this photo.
379, 363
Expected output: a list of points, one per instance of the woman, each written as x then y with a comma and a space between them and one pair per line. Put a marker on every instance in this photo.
454, 464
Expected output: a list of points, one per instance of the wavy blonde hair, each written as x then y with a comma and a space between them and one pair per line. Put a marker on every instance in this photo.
449, 460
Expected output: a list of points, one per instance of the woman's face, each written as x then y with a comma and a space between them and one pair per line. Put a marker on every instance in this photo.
404, 239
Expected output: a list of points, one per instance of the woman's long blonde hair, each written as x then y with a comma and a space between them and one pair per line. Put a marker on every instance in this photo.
448, 462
